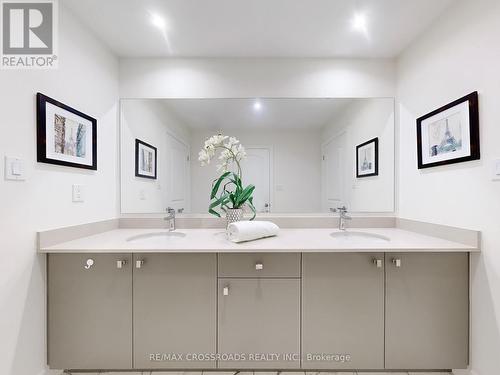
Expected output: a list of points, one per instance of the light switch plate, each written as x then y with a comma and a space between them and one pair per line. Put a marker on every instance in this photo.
78, 195
14, 169
496, 170
142, 195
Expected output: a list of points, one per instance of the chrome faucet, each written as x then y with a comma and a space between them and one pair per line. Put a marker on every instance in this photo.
170, 218
342, 216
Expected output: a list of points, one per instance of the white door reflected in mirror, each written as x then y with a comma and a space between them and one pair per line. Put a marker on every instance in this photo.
257, 167
333, 174
178, 172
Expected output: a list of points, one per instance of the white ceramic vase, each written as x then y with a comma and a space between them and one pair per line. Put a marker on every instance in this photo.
233, 214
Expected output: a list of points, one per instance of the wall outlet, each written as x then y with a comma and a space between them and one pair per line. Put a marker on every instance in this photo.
14, 169
78, 195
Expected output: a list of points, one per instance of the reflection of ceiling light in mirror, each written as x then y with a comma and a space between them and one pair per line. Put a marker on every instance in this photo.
158, 21
358, 23
257, 106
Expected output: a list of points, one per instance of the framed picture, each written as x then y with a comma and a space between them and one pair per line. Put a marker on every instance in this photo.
367, 159
449, 134
145, 160
65, 136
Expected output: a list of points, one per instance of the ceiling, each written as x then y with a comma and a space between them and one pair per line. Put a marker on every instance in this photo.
225, 114
258, 28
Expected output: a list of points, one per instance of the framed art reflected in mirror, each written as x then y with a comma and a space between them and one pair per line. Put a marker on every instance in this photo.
367, 159
145, 160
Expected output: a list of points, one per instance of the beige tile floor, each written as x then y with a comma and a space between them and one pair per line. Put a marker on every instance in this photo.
255, 373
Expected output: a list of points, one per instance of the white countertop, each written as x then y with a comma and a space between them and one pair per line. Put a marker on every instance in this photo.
288, 240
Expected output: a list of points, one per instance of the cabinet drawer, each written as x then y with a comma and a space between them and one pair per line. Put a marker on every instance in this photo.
259, 265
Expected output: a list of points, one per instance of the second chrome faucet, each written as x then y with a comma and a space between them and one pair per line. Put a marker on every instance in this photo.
170, 218
342, 216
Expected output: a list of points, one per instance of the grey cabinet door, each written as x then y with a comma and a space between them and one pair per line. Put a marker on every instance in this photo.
175, 310
89, 311
256, 317
343, 311
427, 309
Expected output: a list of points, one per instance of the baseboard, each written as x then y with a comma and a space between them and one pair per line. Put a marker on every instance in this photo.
454, 372
464, 372
51, 372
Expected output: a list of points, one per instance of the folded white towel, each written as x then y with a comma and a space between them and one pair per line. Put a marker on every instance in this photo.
240, 231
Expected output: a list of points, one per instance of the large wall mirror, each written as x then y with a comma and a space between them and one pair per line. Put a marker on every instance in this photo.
303, 155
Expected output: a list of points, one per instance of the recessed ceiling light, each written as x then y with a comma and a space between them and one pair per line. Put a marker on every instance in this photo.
257, 106
358, 23
158, 21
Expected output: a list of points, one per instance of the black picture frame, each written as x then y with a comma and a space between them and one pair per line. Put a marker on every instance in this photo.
375, 172
41, 110
475, 153
138, 173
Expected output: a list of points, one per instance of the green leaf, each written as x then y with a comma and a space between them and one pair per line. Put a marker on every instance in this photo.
232, 192
225, 187
216, 184
252, 207
221, 201
244, 195
237, 181
213, 212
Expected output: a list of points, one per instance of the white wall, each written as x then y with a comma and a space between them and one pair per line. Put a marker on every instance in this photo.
238, 78
87, 79
150, 122
296, 168
460, 54
361, 121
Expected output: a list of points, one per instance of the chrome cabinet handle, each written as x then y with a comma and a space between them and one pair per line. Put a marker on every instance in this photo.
120, 263
139, 263
397, 262
225, 291
259, 266
89, 263
377, 263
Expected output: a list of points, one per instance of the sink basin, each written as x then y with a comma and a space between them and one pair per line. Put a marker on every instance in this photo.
166, 235
359, 236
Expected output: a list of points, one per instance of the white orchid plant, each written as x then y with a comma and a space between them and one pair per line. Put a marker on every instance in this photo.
227, 190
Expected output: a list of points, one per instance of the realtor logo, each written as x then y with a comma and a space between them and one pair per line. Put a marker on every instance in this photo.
28, 34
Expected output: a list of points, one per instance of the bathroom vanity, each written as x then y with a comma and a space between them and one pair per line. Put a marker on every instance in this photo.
126, 298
